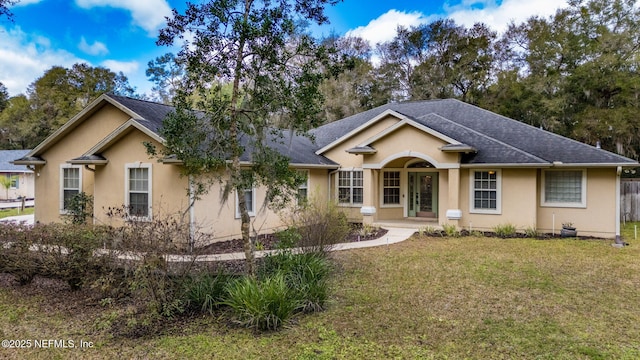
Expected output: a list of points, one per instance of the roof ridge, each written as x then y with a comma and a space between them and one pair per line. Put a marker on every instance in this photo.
485, 136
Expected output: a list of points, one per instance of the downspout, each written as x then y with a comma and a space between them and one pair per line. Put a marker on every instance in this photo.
192, 216
618, 237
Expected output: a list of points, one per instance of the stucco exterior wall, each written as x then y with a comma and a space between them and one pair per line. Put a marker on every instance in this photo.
72, 145
518, 201
220, 220
597, 219
347, 160
169, 196
409, 139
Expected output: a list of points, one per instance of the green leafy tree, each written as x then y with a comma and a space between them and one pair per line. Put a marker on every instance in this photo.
61, 93
167, 74
274, 70
18, 129
4, 97
4, 8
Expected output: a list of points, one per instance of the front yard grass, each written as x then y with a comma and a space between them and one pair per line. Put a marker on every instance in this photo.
468, 297
15, 212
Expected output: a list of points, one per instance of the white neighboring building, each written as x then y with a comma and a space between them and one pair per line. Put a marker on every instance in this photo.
23, 177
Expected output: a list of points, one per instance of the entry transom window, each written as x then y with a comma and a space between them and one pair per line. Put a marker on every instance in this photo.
564, 188
485, 191
350, 187
70, 185
391, 188
138, 190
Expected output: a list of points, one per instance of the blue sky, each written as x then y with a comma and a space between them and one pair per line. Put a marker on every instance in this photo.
121, 34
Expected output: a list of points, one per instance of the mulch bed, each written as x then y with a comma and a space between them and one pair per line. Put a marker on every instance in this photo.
270, 242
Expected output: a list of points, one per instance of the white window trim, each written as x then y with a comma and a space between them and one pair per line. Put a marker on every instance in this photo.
402, 188
62, 210
498, 209
252, 212
138, 165
350, 203
583, 190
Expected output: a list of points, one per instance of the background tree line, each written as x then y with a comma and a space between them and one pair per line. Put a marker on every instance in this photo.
575, 73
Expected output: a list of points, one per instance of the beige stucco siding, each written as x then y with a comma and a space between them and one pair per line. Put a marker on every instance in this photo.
169, 197
597, 219
219, 219
346, 160
408, 139
72, 145
518, 200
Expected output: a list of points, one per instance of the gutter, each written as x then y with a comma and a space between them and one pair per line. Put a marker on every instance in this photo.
618, 241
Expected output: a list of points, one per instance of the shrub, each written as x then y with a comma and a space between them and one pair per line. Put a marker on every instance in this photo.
205, 292
451, 230
288, 238
79, 208
306, 275
531, 232
320, 225
263, 304
505, 231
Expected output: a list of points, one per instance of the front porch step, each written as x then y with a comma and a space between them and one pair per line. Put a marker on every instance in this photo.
411, 223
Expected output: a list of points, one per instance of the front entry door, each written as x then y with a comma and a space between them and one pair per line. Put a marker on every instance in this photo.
423, 194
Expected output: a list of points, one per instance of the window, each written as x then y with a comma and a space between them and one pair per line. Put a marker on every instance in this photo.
70, 185
485, 191
303, 192
350, 184
250, 201
391, 188
15, 183
564, 188
138, 190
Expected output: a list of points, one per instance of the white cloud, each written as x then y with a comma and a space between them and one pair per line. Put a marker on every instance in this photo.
467, 13
24, 58
148, 14
384, 27
498, 17
126, 67
97, 48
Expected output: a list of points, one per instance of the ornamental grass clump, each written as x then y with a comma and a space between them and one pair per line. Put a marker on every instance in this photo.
262, 304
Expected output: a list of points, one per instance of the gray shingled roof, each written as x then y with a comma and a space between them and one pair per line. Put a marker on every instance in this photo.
299, 149
498, 139
6, 156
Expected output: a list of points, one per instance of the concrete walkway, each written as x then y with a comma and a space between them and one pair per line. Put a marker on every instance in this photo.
26, 219
394, 235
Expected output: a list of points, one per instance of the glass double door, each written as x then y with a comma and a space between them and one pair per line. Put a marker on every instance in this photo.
423, 194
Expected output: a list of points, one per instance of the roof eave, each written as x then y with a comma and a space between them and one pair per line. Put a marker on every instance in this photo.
28, 162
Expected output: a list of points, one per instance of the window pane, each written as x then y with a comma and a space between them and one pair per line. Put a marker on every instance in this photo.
71, 178
67, 196
357, 196
563, 186
248, 199
485, 192
138, 204
139, 179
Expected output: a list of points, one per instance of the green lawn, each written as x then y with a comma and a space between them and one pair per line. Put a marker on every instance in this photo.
14, 212
443, 298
